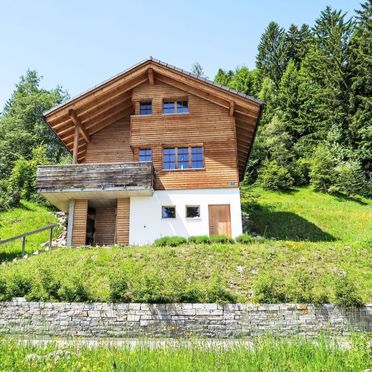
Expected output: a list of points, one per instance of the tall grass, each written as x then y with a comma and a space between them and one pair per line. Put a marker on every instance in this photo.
267, 354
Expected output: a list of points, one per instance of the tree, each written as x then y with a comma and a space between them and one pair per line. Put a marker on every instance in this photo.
223, 77
271, 59
298, 42
361, 88
245, 81
198, 70
22, 127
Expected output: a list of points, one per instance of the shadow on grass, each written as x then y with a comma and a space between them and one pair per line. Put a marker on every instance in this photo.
283, 225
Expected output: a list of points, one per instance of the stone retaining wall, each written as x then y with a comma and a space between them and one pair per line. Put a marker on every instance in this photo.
173, 320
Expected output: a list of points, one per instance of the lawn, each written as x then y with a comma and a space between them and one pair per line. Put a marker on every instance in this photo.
317, 249
296, 354
29, 216
305, 215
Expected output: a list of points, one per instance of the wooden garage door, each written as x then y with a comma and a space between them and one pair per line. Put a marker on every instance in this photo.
219, 220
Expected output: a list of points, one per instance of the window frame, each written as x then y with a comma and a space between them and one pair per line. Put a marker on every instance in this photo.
168, 206
176, 166
139, 154
192, 206
175, 105
145, 102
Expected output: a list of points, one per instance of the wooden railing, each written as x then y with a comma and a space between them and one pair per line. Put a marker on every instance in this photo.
23, 237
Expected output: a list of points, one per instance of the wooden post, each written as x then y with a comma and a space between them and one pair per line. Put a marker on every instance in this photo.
50, 237
76, 145
23, 246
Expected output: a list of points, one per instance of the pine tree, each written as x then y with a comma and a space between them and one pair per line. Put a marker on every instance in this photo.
223, 77
298, 42
361, 88
272, 54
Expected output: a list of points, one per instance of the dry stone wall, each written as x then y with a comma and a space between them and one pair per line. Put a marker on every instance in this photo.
175, 320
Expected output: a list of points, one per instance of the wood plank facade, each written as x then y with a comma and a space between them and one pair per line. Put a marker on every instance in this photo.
106, 130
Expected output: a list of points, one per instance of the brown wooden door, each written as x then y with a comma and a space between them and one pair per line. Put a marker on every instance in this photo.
219, 220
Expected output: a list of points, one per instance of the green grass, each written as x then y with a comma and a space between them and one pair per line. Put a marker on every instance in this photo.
268, 354
29, 216
305, 215
302, 271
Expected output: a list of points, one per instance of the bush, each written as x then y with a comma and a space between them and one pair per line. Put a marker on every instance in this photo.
350, 178
119, 290
170, 241
18, 286
322, 169
199, 239
275, 177
223, 239
74, 292
217, 293
244, 239
268, 290
4, 294
346, 292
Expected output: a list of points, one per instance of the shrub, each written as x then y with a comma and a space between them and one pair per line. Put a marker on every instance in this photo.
267, 289
199, 239
346, 292
217, 293
223, 239
244, 239
19, 286
171, 241
4, 294
74, 292
275, 177
119, 290
322, 169
350, 178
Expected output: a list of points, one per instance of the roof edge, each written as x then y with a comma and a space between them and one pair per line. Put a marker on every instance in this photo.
143, 62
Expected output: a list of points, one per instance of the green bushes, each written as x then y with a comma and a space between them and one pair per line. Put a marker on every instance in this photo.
244, 239
171, 241
222, 239
346, 292
274, 176
199, 239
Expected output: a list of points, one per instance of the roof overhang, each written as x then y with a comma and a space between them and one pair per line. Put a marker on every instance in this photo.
111, 101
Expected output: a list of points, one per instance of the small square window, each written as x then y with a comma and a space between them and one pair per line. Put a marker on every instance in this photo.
193, 211
145, 155
168, 212
182, 106
145, 108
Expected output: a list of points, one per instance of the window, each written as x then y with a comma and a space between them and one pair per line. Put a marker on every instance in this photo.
197, 157
192, 211
183, 157
145, 108
169, 158
175, 106
145, 155
168, 212
168, 107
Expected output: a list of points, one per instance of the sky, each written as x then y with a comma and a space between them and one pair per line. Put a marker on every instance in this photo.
77, 44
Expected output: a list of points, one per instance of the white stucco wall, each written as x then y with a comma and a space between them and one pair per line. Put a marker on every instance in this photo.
146, 223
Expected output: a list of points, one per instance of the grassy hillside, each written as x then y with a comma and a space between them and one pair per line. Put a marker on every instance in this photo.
317, 249
305, 215
29, 216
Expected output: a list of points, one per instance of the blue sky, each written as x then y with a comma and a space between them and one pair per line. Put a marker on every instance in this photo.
77, 44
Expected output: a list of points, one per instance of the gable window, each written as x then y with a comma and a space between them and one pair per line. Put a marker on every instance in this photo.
175, 106
145, 155
168, 212
185, 157
192, 211
145, 108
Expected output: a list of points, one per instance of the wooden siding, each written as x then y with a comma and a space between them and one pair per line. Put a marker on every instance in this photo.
79, 230
122, 221
206, 123
105, 226
110, 145
95, 176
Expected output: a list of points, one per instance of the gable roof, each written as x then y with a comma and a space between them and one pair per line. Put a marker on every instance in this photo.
110, 101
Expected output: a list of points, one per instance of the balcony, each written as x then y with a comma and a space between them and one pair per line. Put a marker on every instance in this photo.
61, 183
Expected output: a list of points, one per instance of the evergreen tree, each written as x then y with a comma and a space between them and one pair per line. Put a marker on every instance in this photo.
271, 60
298, 42
223, 77
198, 70
22, 127
361, 89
